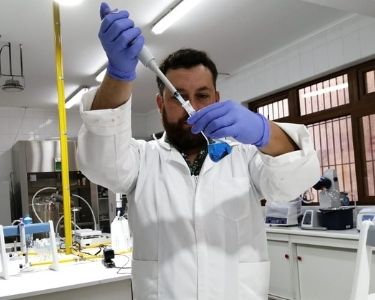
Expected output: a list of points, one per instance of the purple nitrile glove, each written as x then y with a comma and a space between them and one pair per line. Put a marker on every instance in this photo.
230, 119
121, 41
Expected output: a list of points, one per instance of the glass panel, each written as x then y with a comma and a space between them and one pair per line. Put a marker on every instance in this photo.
324, 95
369, 139
370, 82
275, 110
334, 145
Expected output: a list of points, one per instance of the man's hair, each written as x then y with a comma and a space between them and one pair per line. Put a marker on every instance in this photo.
186, 59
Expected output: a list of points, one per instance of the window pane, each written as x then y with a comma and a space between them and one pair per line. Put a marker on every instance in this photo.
275, 110
369, 138
324, 95
334, 145
370, 82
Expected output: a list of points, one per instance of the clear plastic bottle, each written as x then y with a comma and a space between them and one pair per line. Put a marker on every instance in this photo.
29, 236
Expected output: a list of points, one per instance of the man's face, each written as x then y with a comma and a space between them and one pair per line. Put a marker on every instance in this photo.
196, 85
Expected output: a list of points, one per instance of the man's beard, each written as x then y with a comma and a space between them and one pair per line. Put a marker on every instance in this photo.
181, 136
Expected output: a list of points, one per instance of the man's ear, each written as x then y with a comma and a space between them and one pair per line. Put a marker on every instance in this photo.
159, 102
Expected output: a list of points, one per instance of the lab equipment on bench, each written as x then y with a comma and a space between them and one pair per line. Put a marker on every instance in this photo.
331, 214
365, 214
29, 238
217, 149
88, 238
22, 230
328, 185
283, 213
312, 219
120, 235
108, 256
337, 218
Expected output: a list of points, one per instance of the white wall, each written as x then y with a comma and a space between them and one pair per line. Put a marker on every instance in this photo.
5, 211
144, 125
346, 42
28, 124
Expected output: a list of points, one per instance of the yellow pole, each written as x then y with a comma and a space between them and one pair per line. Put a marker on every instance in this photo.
63, 130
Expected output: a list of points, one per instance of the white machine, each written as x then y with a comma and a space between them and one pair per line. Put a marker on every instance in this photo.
9, 266
329, 190
87, 237
312, 220
331, 214
283, 213
363, 215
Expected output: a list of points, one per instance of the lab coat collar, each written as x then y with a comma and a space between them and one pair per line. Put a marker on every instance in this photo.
163, 143
173, 154
176, 157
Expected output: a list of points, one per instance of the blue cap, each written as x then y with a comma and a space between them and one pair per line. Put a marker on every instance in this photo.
27, 220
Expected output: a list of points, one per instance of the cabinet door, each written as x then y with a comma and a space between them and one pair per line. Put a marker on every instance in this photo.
281, 279
325, 273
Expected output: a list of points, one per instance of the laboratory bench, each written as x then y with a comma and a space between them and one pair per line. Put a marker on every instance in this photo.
305, 265
80, 280
312, 264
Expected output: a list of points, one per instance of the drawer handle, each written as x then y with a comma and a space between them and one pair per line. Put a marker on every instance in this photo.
286, 256
299, 258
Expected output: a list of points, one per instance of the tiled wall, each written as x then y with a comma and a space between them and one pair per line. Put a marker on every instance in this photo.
29, 124
346, 42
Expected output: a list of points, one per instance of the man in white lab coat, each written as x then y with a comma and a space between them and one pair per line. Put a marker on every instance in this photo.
197, 225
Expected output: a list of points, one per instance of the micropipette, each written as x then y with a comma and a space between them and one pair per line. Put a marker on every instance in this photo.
217, 149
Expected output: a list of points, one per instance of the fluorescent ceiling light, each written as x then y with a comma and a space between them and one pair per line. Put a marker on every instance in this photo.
75, 97
173, 15
326, 90
100, 76
69, 2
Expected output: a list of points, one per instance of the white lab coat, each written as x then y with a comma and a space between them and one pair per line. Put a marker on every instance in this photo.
194, 237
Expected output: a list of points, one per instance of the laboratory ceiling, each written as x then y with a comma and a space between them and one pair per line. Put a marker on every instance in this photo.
234, 33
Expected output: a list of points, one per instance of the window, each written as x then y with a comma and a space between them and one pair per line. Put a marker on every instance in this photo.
369, 140
275, 110
339, 112
324, 95
370, 82
334, 145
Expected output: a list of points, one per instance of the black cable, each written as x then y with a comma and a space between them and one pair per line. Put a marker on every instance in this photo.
123, 267
131, 288
101, 247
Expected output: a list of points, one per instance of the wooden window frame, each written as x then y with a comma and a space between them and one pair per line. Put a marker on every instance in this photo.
360, 104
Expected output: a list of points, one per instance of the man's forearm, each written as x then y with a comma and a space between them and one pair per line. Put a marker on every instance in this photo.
112, 93
280, 142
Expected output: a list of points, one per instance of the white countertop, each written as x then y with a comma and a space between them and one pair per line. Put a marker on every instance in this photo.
76, 275
350, 234
70, 276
